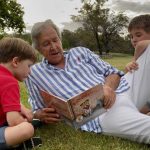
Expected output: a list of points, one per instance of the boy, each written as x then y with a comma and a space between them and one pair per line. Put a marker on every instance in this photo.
139, 29
16, 57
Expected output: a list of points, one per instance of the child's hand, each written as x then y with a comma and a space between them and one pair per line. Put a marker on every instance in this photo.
133, 65
26, 113
14, 118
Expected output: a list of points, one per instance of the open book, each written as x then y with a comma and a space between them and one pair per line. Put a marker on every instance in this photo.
79, 109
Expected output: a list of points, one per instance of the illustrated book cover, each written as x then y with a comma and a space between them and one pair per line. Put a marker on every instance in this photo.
79, 109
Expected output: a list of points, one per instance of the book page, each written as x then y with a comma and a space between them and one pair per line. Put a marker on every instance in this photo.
62, 107
88, 104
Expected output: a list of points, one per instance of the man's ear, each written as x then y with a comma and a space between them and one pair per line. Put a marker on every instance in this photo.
15, 61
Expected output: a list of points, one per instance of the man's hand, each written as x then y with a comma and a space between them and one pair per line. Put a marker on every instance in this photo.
109, 97
47, 115
133, 65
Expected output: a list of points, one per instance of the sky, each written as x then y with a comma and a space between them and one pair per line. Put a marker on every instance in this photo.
60, 11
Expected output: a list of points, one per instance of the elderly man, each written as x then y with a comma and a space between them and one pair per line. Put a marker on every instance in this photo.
66, 74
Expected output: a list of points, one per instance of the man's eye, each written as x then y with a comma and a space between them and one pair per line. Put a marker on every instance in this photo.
55, 40
45, 44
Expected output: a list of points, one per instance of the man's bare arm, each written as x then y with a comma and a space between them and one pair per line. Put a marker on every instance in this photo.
111, 83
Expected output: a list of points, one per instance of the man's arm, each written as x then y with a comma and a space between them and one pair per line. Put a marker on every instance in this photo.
112, 77
111, 83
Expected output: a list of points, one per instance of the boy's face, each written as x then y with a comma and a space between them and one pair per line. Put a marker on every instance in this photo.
22, 69
137, 35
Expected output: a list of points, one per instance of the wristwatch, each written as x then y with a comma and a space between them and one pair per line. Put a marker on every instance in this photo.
34, 112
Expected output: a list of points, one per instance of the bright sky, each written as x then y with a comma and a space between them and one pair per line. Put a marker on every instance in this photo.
60, 11
57, 10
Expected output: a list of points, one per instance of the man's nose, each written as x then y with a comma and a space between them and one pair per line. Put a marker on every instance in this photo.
52, 46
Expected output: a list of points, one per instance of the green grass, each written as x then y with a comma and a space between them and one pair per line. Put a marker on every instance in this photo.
119, 60
63, 137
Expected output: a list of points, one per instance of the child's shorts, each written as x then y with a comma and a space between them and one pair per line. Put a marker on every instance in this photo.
3, 144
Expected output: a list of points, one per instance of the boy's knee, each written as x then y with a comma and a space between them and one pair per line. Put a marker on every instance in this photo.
27, 130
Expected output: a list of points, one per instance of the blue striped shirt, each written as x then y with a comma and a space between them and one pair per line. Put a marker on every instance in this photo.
83, 69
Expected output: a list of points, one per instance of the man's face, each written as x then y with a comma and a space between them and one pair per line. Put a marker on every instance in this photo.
137, 35
50, 46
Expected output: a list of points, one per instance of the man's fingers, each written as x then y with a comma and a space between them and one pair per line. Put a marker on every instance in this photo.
52, 115
48, 110
51, 120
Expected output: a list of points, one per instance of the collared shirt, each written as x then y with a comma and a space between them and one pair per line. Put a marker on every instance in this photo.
9, 94
83, 69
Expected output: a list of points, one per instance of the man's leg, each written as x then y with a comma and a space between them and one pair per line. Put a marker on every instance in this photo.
124, 119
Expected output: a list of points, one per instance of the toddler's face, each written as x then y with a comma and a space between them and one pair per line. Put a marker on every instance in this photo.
137, 35
22, 69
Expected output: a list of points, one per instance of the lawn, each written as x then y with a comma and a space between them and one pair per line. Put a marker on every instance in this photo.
63, 137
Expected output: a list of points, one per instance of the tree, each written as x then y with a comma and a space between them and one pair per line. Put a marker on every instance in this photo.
85, 39
98, 20
68, 39
79, 37
11, 16
25, 36
112, 28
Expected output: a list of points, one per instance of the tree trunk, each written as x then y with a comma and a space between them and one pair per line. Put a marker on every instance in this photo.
98, 44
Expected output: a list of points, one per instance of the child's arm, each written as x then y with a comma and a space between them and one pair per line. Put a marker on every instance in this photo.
14, 118
27, 113
140, 48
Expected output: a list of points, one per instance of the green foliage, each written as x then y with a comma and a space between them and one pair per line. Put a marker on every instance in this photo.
121, 45
11, 16
82, 37
78, 38
98, 20
25, 36
68, 39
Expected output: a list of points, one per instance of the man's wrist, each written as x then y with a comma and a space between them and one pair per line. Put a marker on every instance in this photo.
106, 86
35, 114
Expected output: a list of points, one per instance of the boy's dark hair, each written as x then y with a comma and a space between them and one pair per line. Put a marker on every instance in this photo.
11, 47
140, 22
